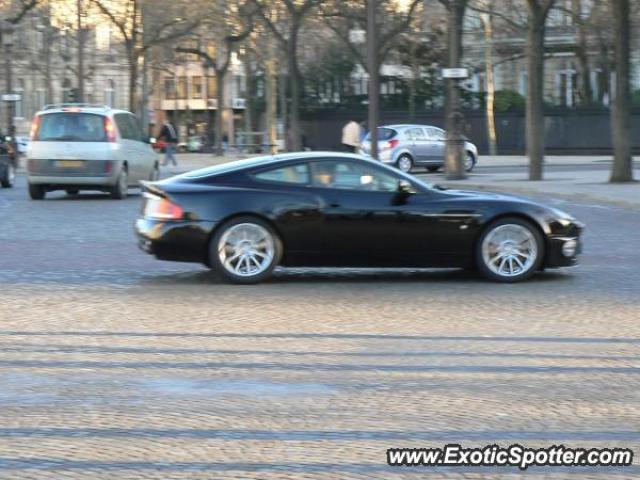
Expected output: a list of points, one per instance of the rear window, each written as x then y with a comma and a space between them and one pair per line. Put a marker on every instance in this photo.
385, 133
71, 127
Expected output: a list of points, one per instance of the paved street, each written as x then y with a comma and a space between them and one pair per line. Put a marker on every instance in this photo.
114, 365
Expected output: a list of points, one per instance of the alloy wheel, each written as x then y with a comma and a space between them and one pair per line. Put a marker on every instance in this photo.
246, 250
468, 161
405, 163
509, 250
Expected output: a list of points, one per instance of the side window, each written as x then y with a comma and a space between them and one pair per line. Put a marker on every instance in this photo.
134, 128
435, 134
416, 134
298, 174
123, 125
352, 176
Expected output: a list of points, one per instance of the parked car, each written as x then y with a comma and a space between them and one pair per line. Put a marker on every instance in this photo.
8, 164
194, 144
343, 210
87, 147
408, 146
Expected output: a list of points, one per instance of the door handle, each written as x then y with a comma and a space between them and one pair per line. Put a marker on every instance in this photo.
334, 205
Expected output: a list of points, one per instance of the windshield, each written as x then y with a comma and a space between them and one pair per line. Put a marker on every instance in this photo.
71, 127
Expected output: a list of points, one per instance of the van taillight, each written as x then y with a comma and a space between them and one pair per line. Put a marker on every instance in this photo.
162, 209
35, 126
109, 129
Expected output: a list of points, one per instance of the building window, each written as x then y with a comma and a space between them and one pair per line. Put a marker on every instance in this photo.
110, 93
182, 88
170, 88
212, 87
196, 87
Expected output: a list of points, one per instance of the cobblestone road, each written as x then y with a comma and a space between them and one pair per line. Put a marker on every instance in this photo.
115, 365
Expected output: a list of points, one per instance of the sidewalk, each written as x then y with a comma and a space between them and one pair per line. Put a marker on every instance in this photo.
583, 185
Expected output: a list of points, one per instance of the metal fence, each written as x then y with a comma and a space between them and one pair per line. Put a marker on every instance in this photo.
567, 131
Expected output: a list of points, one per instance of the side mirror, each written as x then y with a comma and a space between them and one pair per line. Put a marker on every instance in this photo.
405, 188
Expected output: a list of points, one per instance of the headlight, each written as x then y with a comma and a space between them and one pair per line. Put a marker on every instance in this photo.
569, 248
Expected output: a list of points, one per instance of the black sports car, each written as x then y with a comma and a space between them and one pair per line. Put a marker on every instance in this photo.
330, 209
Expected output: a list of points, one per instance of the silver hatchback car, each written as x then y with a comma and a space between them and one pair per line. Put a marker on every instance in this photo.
408, 146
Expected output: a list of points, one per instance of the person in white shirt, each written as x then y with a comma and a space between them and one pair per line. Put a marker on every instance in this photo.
351, 136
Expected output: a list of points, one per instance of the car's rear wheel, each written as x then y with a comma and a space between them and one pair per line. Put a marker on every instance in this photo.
37, 192
404, 163
121, 188
433, 169
9, 177
469, 161
245, 250
510, 250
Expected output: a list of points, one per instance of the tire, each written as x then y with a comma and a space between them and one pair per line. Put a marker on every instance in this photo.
518, 255
404, 163
72, 191
246, 229
9, 176
121, 188
433, 169
155, 173
469, 161
37, 192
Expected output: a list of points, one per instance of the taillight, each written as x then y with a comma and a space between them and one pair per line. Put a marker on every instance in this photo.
35, 126
162, 209
109, 129
392, 144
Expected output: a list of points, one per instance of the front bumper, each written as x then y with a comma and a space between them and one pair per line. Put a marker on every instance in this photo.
563, 249
183, 241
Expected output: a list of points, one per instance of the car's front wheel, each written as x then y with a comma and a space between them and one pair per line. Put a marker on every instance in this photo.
404, 163
9, 176
469, 161
510, 250
245, 250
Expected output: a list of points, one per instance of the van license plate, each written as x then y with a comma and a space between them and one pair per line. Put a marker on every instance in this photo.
69, 163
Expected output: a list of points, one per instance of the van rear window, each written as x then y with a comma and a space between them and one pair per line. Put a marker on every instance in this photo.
71, 127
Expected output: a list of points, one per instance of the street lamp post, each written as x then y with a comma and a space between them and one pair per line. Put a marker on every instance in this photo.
374, 76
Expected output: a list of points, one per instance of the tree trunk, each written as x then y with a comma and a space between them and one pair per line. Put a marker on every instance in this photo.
584, 84
220, 74
374, 77
488, 59
80, 51
294, 143
413, 82
282, 97
271, 104
248, 109
622, 169
535, 91
453, 123
133, 81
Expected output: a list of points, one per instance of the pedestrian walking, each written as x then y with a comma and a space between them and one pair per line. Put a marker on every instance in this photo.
169, 135
351, 136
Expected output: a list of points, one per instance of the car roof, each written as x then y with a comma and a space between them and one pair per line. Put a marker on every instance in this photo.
407, 125
266, 160
80, 107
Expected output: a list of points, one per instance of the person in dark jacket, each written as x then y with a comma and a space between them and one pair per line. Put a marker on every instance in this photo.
169, 135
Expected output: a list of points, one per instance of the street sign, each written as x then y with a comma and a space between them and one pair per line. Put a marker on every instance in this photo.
11, 97
455, 73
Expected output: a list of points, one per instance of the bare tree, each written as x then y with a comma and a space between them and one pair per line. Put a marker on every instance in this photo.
622, 169
143, 24
233, 25
285, 19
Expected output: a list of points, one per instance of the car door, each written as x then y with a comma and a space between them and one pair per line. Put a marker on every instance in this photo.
420, 145
437, 142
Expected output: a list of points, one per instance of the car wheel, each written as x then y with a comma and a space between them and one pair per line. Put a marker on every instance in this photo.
121, 188
404, 163
433, 169
155, 173
37, 192
245, 250
9, 177
469, 161
72, 191
510, 250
